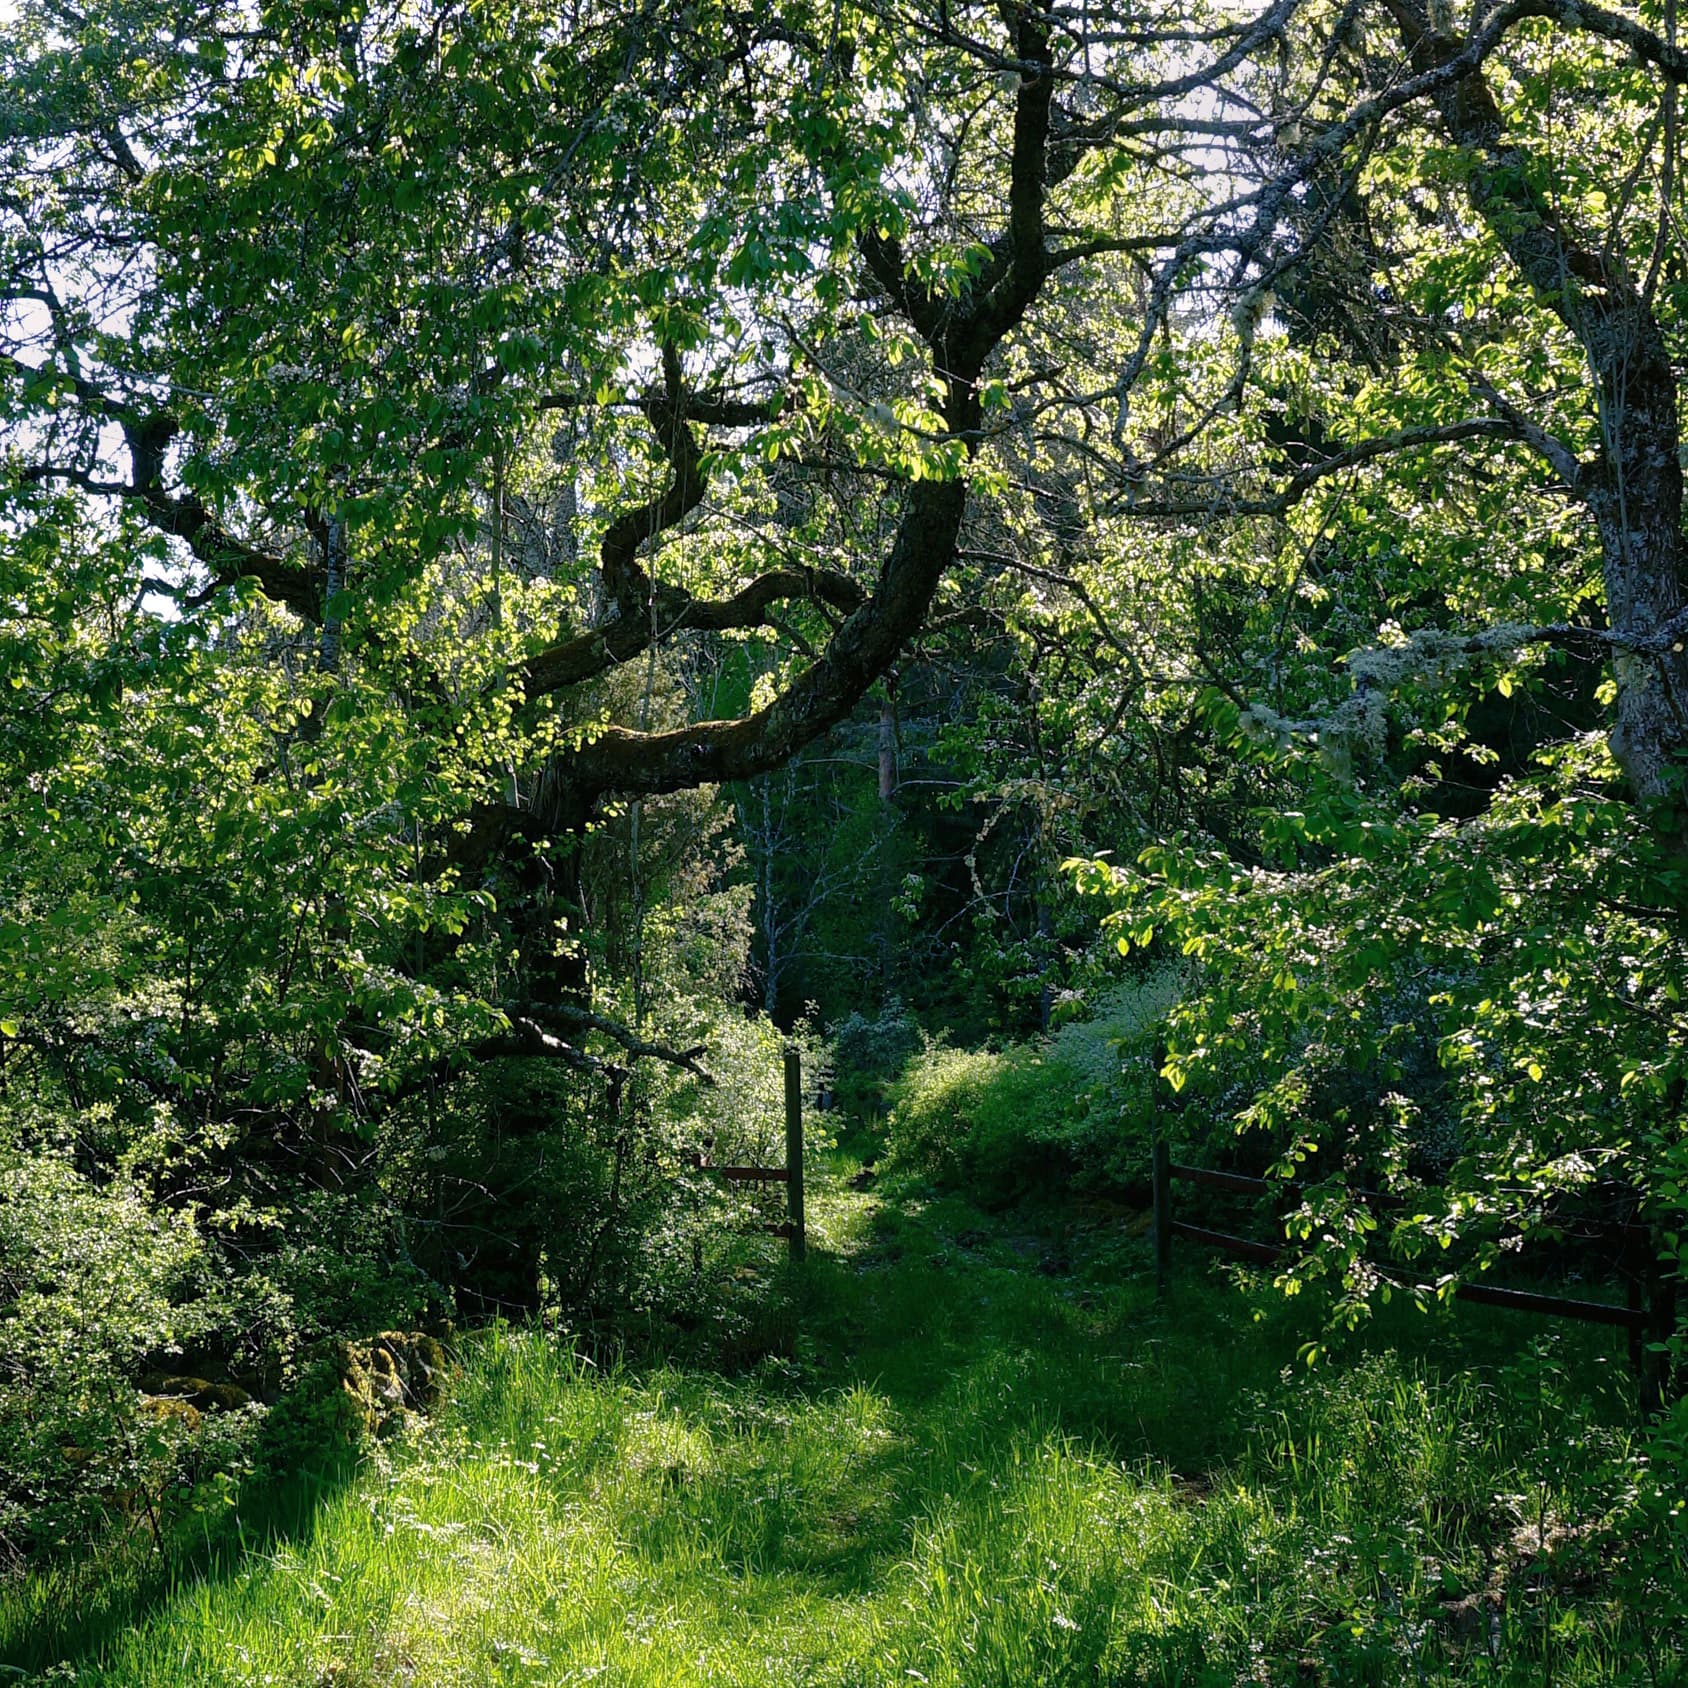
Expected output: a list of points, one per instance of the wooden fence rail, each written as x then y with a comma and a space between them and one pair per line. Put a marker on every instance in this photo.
1650, 1311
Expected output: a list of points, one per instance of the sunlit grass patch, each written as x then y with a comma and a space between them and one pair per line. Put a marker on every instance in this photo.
991, 1459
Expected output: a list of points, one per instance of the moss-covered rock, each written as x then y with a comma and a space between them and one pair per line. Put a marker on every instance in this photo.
348, 1391
198, 1392
391, 1378
172, 1410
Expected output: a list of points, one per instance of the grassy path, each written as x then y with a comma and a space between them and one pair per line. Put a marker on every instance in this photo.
991, 1461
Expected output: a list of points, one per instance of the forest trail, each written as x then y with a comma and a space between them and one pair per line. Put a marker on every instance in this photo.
990, 1460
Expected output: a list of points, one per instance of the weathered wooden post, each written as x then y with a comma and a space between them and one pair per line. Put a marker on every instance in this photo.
794, 1151
1657, 1384
1162, 1179
1652, 1316
1635, 1274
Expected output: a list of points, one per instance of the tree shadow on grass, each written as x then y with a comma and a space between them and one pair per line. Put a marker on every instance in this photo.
1059, 1333
69, 1613
984, 1340
938, 1285
982, 1334
935, 1348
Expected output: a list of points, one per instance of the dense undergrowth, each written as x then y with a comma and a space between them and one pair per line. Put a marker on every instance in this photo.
985, 1456
168, 1329
1076, 1109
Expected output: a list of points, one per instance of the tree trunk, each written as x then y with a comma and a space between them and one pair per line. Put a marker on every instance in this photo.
1638, 508
1633, 488
770, 908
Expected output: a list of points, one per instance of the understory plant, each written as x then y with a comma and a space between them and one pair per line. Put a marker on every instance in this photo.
1076, 1108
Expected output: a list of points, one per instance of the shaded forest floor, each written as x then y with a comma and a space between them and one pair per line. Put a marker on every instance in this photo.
989, 1458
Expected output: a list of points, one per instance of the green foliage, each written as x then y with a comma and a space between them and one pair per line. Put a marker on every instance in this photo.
1076, 1108
531, 1194
143, 1340
868, 1054
93, 1277
981, 1120
1036, 1479
1463, 1013
235, 987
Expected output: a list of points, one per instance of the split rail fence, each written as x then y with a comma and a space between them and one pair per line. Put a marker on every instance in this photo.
1649, 1316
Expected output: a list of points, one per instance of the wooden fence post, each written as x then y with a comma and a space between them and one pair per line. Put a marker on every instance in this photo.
1163, 1214
1656, 1381
1636, 1299
794, 1151
1651, 1302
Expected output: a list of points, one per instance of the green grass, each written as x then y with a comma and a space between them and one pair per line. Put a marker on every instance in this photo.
991, 1460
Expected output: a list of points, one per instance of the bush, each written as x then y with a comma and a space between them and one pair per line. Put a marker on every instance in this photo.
1078, 1107
172, 1290
143, 1337
866, 1055
92, 1279
532, 1195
